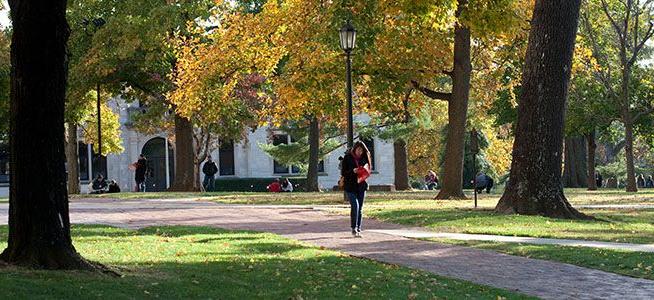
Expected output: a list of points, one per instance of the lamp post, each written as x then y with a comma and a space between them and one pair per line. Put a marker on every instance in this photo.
97, 23
348, 38
474, 149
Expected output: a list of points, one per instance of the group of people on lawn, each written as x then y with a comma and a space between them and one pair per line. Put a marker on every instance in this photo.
482, 182
641, 181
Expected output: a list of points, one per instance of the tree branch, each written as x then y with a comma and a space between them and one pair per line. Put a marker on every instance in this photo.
617, 28
431, 93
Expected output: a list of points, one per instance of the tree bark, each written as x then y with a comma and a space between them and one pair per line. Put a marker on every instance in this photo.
401, 165
185, 175
457, 110
39, 225
575, 169
314, 155
534, 186
591, 146
72, 159
629, 153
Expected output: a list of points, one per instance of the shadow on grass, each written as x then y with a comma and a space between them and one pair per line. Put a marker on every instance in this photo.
196, 262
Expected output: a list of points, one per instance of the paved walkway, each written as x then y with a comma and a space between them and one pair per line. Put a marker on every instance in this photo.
420, 234
617, 206
545, 279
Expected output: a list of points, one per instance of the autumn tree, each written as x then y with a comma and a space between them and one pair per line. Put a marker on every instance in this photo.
618, 33
39, 224
131, 56
535, 180
430, 46
219, 78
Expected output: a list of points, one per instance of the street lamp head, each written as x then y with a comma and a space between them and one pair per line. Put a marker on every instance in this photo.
348, 37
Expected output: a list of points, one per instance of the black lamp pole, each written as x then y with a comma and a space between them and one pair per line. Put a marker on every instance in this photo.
348, 42
350, 121
474, 149
99, 132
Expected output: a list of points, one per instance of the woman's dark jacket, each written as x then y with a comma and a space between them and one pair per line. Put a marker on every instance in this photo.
347, 171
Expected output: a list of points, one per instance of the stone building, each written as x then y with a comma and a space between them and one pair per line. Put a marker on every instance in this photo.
234, 160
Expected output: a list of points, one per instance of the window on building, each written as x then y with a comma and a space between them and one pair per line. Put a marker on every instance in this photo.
226, 157
321, 166
83, 154
370, 143
4, 163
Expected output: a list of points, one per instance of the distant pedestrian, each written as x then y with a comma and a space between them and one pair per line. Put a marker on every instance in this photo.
640, 181
598, 179
286, 185
209, 169
483, 181
275, 186
649, 183
431, 180
141, 167
355, 170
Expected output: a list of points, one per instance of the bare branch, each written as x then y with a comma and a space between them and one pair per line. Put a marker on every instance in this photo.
646, 37
620, 32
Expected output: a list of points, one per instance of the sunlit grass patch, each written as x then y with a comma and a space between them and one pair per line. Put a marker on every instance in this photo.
196, 262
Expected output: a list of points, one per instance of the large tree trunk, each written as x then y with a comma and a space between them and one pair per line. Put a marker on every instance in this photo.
534, 186
185, 177
590, 138
72, 159
457, 110
575, 168
629, 153
39, 225
401, 165
314, 155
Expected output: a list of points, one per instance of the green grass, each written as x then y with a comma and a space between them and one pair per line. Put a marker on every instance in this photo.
4, 200
196, 262
635, 226
635, 264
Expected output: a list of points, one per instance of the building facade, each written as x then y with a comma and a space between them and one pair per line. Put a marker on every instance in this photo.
234, 160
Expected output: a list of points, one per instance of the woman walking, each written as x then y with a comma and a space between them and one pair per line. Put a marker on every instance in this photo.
355, 170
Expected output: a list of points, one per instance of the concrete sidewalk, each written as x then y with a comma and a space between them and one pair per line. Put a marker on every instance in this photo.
545, 279
418, 234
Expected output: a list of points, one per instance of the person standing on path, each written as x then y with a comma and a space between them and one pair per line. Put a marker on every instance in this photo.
355, 170
209, 169
141, 167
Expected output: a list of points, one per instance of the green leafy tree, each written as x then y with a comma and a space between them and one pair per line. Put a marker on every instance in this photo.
618, 33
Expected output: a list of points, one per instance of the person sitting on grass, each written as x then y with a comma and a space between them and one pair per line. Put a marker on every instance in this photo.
274, 187
113, 187
287, 186
98, 185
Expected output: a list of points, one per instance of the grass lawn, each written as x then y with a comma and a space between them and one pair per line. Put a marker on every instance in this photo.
4, 200
196, 262
635, 264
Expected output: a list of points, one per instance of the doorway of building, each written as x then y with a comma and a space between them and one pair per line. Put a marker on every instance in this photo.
154, 151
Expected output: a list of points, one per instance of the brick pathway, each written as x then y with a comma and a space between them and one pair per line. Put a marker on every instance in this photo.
545, 279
